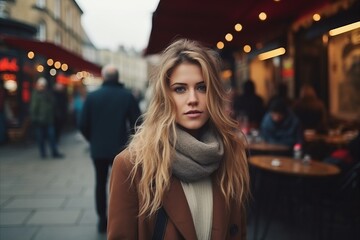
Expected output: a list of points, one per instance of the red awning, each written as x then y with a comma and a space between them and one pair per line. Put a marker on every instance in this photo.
209, 21
57, 53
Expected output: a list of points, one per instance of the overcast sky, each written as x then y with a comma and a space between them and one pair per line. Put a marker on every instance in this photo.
111, 23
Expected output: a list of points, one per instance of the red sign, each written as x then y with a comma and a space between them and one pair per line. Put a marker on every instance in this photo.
9, 65
63, 79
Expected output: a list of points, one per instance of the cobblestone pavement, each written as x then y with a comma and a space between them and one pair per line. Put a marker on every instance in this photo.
42, 199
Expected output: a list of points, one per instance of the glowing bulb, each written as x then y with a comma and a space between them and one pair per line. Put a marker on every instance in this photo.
247, 48
229, 37
53, 72
316, 17
238, 27
40, 68
50, 62
31, 55
64, 67
262, 16
220, 45
57, 64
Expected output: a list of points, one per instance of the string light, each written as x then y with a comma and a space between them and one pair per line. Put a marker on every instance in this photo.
220, 45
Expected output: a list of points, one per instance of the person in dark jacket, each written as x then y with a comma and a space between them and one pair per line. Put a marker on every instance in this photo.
310, 109
108, 116
250, 104
60, 109
42, 117
280, 125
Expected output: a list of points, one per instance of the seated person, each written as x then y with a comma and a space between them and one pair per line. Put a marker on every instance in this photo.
310, 109
280, 125
249, 104
281, 93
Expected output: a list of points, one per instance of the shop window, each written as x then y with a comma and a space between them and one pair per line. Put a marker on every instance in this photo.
344, 72
69, 17
57, 39
57, 9
41, 3
41, 33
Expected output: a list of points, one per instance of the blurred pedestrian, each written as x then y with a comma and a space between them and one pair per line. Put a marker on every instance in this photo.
78, 102
249, 104
184, 174
108, 116
42, 117
280, 125
61, 109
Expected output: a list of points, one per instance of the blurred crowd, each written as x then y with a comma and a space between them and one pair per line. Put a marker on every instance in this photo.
303, 121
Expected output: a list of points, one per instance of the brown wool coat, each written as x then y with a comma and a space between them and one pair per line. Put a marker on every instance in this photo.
123, 222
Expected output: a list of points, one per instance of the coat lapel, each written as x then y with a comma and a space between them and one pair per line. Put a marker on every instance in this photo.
221, 214
177, 209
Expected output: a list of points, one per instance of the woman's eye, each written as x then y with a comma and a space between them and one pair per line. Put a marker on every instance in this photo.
179, 89
202, 88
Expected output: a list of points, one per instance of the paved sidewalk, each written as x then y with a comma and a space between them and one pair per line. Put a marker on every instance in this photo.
42, 199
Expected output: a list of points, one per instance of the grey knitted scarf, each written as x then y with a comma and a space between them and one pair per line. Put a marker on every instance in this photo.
196, 158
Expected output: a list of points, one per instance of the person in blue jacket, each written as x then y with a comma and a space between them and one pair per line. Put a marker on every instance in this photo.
108, 117
280, 125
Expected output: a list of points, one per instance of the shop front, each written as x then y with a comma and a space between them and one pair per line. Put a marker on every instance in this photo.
328, 58
22, 62
16, 76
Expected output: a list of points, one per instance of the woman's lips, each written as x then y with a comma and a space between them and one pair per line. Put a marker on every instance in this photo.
193, 114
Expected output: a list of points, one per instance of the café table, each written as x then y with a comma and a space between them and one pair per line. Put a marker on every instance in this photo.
291, 166
320, 145
332, 138
259, 148
294, 171
264, 146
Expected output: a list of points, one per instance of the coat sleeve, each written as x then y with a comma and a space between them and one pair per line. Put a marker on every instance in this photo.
134, 114
33, 107
85, 120
123, 204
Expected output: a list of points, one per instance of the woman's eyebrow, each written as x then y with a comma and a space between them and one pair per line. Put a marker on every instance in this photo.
178, 83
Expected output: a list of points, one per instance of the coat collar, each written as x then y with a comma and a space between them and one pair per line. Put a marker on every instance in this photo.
177, 209
221, 213
112, 83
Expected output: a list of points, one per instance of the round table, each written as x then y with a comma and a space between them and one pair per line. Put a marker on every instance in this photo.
290, 166
334, 139
268, 147
281, 166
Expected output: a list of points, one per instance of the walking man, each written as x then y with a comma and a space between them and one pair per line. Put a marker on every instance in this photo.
108, 116
42, 117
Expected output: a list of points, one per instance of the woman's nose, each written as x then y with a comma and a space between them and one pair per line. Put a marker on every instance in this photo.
193, 98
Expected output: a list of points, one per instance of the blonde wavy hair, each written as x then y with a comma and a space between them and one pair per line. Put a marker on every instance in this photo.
150, 148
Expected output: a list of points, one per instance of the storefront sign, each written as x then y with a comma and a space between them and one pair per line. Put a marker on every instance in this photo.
8, 65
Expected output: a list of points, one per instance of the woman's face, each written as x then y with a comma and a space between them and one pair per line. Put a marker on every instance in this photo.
188, 90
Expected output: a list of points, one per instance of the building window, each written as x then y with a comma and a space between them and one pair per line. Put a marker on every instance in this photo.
41, 3
57, 39
57, 9
69, 17
41, 33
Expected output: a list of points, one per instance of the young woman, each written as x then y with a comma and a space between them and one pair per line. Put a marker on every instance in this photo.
185, 163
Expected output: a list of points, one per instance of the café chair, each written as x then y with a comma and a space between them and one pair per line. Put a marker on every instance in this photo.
340, 206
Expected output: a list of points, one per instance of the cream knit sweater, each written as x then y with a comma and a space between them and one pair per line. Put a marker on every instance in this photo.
200, 200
